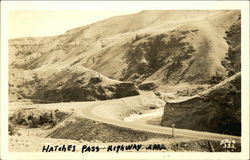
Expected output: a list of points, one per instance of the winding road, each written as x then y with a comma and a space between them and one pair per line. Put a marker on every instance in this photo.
109, 112
98, 110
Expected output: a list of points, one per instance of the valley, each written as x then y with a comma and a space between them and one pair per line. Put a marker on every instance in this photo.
129, 79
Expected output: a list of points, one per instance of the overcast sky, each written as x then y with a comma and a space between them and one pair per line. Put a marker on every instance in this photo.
37, 23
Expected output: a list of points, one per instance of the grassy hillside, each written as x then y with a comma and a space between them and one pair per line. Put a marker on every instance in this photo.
163, 47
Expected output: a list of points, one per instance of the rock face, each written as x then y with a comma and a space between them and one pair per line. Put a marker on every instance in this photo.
89, 93
216, 110
147, 86
232, 60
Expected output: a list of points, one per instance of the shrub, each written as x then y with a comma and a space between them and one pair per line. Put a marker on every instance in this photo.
34, 120
11, 129
217, 78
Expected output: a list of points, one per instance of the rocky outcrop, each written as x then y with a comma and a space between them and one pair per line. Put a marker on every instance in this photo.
89, 92
147, 86
232, 60
81, 85
74, 84
125, 89
216, 110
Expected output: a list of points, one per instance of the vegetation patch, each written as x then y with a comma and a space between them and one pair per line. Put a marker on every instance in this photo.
35, 118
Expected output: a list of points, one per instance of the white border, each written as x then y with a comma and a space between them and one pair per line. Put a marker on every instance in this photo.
122, 5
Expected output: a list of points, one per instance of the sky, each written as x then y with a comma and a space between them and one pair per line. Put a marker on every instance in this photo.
38, 23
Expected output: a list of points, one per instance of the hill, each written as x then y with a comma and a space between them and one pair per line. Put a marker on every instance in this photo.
162, 47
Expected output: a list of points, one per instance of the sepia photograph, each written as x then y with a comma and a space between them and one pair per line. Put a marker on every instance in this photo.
117, 81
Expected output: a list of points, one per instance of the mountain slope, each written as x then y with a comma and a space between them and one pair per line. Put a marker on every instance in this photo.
166, 47
75, 84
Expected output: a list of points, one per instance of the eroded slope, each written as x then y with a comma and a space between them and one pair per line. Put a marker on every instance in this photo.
162, 47
216, 110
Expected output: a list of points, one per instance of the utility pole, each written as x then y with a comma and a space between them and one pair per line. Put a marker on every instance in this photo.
173, 126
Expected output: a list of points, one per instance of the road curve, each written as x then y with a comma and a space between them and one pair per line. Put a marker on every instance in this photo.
96, 112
